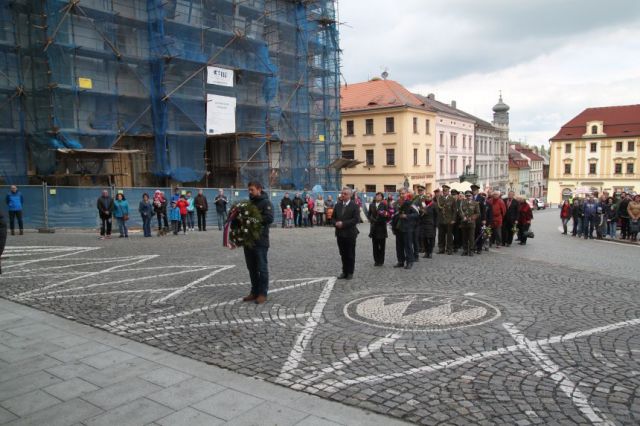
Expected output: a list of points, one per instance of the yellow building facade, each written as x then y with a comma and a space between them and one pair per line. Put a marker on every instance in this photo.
596, 152
393, 137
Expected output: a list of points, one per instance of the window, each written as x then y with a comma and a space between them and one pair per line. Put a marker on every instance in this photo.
349, 127
594, 130
567, 148
567, 169
368, 124
618, 146
427, 125
369, 188
592, 168
618, 168
391, 128
348, 154
464, 141
415, 156
389, 188
452, 166
630, 146
369, 160
630, 168
415, 124
391, 157
442, 167
453, 140
428, 157
594, 147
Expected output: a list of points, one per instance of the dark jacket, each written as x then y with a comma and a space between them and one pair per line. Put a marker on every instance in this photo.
349, 216
15, 201
286, 201
623, 208
407, 224
429, 220
610, 212
378, 222
145, 209
482, 205
266, 211
512, 210
201, 203
296, 204
221, 203
105, 206
576, 209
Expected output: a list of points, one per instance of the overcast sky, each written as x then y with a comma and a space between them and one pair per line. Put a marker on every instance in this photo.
550, 58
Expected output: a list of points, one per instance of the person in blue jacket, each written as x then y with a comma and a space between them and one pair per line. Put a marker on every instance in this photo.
121, 213
146, 211
15, 201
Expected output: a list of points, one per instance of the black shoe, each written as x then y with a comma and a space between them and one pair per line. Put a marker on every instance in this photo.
378, 264
348, 277
449, 252
440, 251
464, 253
409, 266
21, 232
470, 254
398, 265
428, 256
13, 232
416, 259
342, 276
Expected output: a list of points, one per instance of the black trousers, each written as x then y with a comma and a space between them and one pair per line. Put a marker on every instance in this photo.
523, 230
202, 220
624, 228
378, 249
445, 237
468, 231
347, 248
477, 236
162, 216
457, 236
258, 266
428, 243
507, 232
105, 225
13, 215
404, 247
417, 240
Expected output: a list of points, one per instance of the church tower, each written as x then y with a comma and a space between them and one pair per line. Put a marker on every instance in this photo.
501, 114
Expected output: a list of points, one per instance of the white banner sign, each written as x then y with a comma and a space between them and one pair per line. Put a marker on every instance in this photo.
220, 76
221, 114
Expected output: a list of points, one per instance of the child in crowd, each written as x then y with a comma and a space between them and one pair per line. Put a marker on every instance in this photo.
182, 204
288, 216
174, 215
190, 212
305, 214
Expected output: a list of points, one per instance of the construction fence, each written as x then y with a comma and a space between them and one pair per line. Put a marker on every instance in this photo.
48, 207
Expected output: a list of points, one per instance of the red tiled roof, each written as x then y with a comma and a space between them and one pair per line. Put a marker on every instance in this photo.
518, 164
619, 121
529, 153
376, 94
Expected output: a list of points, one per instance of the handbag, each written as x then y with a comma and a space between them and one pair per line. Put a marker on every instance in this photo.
530, 234
125, 217
634, 226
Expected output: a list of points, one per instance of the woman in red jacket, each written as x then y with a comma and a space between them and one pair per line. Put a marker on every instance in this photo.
498, 210
565, 215
525, 215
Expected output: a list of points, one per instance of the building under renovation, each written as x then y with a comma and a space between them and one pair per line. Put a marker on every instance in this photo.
146, 92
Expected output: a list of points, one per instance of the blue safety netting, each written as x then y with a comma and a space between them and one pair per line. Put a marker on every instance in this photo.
117, 73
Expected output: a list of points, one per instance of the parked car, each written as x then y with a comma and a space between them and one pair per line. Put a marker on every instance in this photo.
539, 204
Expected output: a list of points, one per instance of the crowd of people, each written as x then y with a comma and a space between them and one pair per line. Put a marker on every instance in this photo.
175, 214
600, 216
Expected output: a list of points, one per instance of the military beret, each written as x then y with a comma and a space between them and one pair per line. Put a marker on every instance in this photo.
421, 187
474, 186
445, 186
454, 192
468, 193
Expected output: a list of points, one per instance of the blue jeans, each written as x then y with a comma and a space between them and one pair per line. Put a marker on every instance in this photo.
190, 219
611, 228
146, 225
222, 218
122, 227
256, 259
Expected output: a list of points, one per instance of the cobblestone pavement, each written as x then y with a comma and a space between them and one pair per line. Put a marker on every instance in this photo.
538, 334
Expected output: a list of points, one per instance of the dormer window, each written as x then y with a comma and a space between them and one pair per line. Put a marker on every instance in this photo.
594, 130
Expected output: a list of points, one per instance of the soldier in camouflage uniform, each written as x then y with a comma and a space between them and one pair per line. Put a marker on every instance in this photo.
469, 212
447, 219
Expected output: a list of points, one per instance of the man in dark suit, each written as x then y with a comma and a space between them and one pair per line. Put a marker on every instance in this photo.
404, 224
482, 218
347, 216
378, 213
510, 218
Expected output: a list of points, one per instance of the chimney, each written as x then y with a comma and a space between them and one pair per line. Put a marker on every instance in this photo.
431, 96
453, 104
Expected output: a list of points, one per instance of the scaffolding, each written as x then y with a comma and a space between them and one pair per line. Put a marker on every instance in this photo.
132, 75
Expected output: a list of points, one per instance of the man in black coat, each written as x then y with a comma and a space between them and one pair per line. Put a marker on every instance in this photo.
428, 224
256, 256
284, 203
404, 224
378, 211
482, 218
105, 211
510, 218
346, 219
297, 210
3, 235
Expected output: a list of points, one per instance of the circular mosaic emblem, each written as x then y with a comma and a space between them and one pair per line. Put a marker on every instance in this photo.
420, 311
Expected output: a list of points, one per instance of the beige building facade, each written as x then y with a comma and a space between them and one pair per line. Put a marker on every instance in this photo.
596, 152
392, 133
